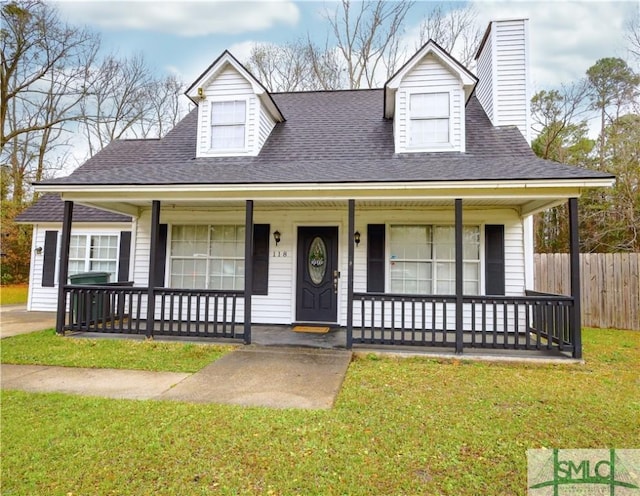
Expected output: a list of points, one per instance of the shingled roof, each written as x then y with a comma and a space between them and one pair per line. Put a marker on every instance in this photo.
328, 137
50, 208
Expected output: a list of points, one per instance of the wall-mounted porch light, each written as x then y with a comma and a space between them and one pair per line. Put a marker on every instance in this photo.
38, 250
356, 237
276, 237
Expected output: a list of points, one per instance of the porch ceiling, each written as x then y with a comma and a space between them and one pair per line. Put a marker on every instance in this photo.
527, 199
525, 206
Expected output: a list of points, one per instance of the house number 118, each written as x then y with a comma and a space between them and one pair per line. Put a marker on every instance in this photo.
279, 253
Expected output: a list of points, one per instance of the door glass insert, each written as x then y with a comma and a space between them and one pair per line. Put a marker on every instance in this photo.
317, 260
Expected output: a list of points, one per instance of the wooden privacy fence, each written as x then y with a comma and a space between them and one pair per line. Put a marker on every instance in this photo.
610, 286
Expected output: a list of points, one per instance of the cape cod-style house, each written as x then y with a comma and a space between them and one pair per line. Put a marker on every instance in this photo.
401, 215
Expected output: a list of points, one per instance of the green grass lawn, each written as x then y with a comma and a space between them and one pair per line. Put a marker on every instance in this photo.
47, 348
14, 294
412, 426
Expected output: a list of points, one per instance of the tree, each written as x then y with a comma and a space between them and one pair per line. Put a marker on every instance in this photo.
560, 137
367, 38
42, 80
456, 30
612, 216
286, 67
612, 86
632, 29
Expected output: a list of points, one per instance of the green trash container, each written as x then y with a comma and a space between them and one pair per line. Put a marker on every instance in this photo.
95, 312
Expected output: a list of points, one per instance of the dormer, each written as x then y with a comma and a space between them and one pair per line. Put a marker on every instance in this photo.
426, 99
235, 111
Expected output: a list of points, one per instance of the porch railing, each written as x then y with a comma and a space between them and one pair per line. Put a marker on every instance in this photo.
122, 308
535, 321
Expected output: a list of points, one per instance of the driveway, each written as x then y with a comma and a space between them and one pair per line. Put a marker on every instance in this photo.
14, 320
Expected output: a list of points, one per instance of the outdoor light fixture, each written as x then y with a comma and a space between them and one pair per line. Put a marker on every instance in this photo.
39, 250
276, 237
201, 94
356, 237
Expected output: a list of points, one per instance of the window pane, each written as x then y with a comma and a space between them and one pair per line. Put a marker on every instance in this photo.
78, 247
104, 247
227, 137
425, 105
471, 243
429, 131
411, 242
232, 112
444, 243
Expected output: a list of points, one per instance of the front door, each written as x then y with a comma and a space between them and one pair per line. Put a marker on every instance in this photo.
317, 293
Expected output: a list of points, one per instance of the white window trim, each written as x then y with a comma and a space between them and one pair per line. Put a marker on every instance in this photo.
444, 147
87, 258
481, 262
208, 257
228, 152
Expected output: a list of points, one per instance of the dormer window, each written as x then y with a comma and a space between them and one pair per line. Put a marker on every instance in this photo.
429, 116
228, 125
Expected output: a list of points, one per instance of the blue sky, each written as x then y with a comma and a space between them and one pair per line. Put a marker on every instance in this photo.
185, 37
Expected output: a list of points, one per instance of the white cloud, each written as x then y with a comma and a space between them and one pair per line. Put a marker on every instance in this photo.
189, 19
566, 37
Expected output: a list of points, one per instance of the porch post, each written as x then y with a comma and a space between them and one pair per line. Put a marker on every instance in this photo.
248, 270
63, 268
153, 244
459, 276
574, 249
350, 242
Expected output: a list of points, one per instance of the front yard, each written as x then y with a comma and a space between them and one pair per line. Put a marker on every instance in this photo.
413, 426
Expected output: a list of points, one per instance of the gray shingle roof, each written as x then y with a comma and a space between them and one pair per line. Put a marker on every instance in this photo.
328, 137
50, 208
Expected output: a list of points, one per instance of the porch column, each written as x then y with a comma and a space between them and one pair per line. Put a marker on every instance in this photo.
574, 250
63, 268
248, 269
350, 242
459, 276
153, 248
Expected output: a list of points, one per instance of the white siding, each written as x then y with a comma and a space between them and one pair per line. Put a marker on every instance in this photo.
266, 126
278, 307
503, 69
229, 84
430, 75
45, 298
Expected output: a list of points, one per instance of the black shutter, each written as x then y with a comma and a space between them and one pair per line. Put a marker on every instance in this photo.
494, 259
49, 260
125, 255
375, 258
261, 258
161, 255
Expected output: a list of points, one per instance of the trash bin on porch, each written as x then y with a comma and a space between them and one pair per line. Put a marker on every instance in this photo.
92, 310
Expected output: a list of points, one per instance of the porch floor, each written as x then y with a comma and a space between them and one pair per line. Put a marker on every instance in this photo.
336, 338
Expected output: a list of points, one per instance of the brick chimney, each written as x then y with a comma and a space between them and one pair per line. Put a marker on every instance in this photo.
502, 62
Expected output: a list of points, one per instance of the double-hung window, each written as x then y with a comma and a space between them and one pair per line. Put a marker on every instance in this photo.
207, 257
423, 259
94, 253
228, 125
429, 115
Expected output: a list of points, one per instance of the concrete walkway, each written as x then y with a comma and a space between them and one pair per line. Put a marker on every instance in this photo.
14, 320
251, 376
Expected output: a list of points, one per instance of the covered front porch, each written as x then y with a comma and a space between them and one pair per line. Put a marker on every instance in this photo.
528, 322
